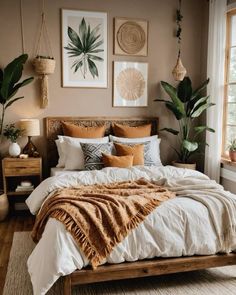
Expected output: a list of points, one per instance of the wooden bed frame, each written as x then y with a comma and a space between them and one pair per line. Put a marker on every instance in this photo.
144, 268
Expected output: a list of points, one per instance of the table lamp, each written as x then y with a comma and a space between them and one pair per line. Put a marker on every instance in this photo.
30, 127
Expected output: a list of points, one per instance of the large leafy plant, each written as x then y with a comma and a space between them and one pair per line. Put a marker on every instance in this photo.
186, 105
9, 84
84, 47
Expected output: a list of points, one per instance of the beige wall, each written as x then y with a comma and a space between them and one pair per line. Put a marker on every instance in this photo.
98, 102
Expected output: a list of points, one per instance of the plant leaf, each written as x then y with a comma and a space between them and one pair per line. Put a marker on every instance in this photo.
200, 129
171, 91
13, 91
202, 108
92, 68
184, 89
162, 100
96, 51
190, 146
83, 32
173, 131
171, 106
75, 39
12, 74
199, 102
94, 57
12, 101
200, 88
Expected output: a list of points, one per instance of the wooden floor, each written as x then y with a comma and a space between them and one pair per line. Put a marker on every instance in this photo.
7, 228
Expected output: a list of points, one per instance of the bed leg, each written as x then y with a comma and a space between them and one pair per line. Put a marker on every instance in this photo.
67, 285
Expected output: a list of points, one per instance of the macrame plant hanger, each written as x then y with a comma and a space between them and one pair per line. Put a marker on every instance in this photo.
44, 65
179, 70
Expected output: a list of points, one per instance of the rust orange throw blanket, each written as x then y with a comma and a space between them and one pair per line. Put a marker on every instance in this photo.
101, 216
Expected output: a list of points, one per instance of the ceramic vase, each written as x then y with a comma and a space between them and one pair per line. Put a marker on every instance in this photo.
4, 206
14, 149
232, 155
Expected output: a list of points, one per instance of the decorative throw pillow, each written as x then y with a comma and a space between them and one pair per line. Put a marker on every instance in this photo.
131, 132
83, 132
115, 161
93, 154
135, 150
148, 159
154, 152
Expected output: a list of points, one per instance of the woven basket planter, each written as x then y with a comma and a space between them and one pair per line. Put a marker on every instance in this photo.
44, 66
191, 166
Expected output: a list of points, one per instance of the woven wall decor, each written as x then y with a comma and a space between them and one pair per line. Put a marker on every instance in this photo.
130, 84
130, 37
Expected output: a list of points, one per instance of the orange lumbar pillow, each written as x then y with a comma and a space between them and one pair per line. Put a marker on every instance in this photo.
83, 132
131, 132
116, 161
136, 150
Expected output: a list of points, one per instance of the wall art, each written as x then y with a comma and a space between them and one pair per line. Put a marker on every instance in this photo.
130, 84
84, 49
130, 37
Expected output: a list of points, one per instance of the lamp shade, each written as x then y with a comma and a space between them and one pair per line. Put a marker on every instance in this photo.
30, 127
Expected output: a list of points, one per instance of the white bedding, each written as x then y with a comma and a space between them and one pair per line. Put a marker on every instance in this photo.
182, 226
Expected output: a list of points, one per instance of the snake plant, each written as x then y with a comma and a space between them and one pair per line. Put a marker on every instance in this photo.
83, 47
186, 105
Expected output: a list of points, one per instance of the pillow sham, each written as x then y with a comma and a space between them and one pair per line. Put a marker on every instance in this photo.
72, 151
154, 152
93, 154
73, 130
61, 154
117, 161
135, 150
131, 132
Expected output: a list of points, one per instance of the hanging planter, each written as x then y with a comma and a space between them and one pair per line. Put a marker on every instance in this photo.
44, 65
179, 70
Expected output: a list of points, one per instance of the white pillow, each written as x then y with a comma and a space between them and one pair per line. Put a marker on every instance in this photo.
155, 145
74, 157
62, 156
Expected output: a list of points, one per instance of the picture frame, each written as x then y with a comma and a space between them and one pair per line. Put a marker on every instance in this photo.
130, 36
84, 65
130, 81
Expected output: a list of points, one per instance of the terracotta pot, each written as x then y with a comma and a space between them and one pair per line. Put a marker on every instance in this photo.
185, 165
4, 207
44, 66
232, 155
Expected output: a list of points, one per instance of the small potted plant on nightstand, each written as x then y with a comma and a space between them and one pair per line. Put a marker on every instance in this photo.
12, 133
232, 150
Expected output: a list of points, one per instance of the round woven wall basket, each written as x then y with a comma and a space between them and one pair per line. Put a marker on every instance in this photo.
44, 66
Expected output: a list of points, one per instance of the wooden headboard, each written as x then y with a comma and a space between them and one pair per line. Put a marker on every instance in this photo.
54, 128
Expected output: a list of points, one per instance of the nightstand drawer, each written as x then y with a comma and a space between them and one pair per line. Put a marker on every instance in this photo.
19, 167
19, 171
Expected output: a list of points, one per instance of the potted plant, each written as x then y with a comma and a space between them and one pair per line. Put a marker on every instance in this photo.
12, 133
232, 150
186, 105
9, 84
44, 65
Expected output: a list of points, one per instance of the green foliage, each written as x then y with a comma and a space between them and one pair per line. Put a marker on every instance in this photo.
9, 84
83, 46
186, 105
232, 145
12, 132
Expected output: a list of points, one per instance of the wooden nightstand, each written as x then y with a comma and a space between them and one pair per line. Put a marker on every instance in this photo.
16, 170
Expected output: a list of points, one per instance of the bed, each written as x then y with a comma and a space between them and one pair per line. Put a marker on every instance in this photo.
183, 258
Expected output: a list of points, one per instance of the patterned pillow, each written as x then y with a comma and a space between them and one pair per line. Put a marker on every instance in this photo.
93, 154
148, 159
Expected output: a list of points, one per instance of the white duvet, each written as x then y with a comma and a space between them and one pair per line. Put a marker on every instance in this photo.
200, 220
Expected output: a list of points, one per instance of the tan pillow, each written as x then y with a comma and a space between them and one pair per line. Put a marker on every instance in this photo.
116, 161
136, 150
131, 132
83, 132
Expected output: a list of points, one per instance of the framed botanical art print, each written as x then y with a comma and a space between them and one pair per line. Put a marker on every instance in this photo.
130, 36
130, 84
84, 49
